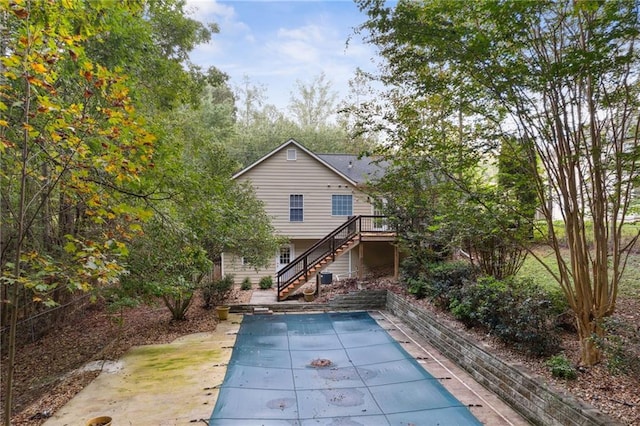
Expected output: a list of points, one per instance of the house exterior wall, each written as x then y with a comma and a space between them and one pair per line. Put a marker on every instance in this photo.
341, 268
274, 180
277, 178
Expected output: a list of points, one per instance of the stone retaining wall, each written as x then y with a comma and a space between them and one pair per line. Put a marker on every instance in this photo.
356, 300
528, 396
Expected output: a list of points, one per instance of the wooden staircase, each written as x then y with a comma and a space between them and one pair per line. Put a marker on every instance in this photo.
294, 285
342, 239
317, 257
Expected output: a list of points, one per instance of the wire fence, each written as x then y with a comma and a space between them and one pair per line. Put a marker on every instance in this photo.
34, 326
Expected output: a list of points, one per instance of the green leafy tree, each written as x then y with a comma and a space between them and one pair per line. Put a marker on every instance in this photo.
166, 262
313, 104
562, 75
197, 177
261, 127
75, 141
151, 46
72, 148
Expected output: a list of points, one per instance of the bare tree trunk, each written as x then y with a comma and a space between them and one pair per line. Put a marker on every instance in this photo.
17, 270
588, 334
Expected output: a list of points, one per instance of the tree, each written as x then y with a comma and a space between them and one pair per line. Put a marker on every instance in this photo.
168, 262
73, 147
314, 103
152, 46
562, 75
261, 127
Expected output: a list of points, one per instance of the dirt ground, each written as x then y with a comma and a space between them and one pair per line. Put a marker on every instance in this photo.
48, 372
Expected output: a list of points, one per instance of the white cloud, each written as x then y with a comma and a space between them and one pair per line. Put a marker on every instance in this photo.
307, 33
275, 44
200, 9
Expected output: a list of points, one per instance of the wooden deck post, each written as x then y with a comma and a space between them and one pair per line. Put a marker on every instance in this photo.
396, 262
360, 260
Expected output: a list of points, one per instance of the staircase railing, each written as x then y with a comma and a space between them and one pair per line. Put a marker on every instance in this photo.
327, 246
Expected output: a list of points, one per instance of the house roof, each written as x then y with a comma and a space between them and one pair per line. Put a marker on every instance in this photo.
350, 167
358, 169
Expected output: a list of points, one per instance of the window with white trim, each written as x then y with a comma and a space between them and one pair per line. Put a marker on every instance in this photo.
341, 205
285, 255
296, 208
291, 154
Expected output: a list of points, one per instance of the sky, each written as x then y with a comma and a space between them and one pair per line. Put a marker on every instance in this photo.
276, 43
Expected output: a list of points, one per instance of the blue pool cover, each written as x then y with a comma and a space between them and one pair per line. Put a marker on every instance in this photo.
338, 369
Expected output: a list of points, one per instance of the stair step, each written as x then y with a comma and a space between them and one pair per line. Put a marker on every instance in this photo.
260, 310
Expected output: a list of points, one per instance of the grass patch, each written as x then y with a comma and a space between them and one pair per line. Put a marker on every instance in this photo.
629, 231
533, 269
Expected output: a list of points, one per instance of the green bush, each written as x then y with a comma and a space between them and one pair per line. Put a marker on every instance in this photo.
417, 286
441, 281
477, 303
446, 280
561, 367
411, 267
518, 312
266, 282
246, 284
216, 292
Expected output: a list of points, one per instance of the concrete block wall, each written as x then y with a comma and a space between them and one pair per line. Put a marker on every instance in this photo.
359, 300
528, 396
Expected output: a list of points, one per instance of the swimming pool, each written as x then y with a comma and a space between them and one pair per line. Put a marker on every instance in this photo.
328, 369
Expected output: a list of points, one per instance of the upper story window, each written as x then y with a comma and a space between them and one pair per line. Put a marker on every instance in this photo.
342, 205
291, 154
296, 208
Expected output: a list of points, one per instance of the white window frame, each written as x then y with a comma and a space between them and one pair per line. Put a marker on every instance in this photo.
301, 208
292, 154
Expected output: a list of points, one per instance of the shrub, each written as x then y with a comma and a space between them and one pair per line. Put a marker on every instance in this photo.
561, 367
246, 284
516, 311
478, 303
441, 281
417, 286
266, 282
177, 296
412, 266
216, 292
446, 280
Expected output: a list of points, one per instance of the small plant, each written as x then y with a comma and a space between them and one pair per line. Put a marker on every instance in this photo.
246, 284
266, 282
417, 286
561, 367
618, 344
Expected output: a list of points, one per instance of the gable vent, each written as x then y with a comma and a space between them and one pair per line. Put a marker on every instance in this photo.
291, 154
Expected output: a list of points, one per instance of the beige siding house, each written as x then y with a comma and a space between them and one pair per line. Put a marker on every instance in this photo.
307, 196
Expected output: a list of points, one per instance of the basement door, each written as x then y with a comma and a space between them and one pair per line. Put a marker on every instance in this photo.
284, 256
